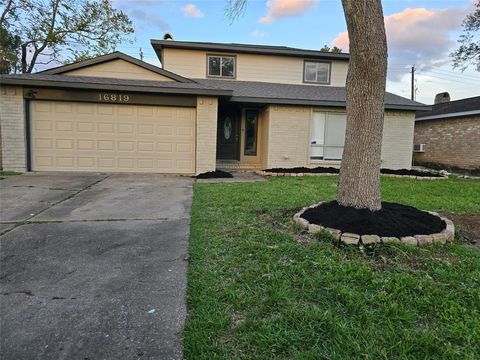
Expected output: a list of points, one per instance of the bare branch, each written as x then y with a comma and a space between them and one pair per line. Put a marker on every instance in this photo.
235, 9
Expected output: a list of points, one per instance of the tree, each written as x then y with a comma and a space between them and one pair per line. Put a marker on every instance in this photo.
359, 183
334, 49
469, 49
47, 30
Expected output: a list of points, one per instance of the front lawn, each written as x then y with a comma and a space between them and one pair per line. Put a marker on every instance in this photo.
259, 288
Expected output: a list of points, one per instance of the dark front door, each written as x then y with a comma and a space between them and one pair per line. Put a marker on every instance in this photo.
228, 135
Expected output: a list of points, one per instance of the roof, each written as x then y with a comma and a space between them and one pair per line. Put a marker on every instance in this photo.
100, 83
457, 108
237, 91
273, 93
158, 45
114, 56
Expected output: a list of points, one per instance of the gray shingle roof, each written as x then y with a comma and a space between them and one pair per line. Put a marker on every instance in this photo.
158, 45
468, 106
91, 82
237, 91
250, 91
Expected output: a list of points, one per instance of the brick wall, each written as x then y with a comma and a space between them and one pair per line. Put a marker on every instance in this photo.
206, 134
289, 138
449, 143
12, 123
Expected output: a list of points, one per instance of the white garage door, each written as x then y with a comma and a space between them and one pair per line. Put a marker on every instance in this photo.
71, 136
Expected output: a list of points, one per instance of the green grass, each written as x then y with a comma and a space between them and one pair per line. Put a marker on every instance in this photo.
256, 291
9, 173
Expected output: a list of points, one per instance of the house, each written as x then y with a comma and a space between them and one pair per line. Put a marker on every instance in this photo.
448, 135
209, 105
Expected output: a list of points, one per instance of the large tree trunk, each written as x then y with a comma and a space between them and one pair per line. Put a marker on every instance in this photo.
359, 184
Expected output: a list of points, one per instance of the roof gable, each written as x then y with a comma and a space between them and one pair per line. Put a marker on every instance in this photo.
83, 67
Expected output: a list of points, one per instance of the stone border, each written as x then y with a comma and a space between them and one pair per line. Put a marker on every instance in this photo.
268, 173
447, 234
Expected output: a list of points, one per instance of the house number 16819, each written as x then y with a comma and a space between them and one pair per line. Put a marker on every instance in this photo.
114, 97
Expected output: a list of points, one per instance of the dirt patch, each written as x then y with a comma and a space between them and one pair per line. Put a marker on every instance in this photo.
300, 235
392, 220
217, 174
332, 170
467, 227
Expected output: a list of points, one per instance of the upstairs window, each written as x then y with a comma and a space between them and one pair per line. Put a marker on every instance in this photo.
221, 66
316, 72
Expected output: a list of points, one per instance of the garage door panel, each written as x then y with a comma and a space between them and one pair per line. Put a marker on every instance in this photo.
116, 138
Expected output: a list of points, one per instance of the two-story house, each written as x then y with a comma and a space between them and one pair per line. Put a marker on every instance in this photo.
209, 105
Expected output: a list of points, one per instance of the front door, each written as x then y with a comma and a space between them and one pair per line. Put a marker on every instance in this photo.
228, 135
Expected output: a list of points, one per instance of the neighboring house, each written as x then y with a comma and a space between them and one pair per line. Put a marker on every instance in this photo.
210, 105
448, 136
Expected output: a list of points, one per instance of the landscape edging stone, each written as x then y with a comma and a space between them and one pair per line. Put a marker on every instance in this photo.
446, 235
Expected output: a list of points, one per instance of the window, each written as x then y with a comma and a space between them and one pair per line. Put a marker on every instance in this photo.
327, 136
251, 125
317, 72
221, 66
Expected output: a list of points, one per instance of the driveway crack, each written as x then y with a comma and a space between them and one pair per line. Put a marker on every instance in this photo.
27, 220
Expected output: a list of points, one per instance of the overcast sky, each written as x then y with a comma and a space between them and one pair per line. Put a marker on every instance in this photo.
420, 33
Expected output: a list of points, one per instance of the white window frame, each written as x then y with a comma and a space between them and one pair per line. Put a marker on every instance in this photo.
324, 145
305, 62
221, 61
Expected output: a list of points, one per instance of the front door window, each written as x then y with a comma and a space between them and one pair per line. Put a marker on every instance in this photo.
251, 125
227, 128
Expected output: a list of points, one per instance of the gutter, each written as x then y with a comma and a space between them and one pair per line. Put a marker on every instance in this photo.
245, 99
450, 115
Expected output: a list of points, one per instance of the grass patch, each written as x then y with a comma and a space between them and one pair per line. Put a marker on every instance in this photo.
8, 173
255, 291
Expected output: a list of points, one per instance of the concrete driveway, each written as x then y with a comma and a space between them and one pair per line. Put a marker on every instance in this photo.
92, 266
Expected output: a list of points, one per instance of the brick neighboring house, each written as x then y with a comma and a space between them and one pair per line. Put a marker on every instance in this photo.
451, 134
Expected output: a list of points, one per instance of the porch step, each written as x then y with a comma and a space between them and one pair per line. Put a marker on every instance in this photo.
232, 164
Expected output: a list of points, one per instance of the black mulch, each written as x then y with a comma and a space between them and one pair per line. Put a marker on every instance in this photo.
214, 175
301, 169
392, 220
410, 172
332, 170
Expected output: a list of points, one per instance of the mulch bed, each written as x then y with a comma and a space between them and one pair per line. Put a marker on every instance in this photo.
392, 220
410, 173
303, 170
214, 175
332, 170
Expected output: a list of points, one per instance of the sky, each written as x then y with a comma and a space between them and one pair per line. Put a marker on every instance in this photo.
420, 33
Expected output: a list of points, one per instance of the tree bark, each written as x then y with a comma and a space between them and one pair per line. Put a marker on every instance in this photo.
359, 184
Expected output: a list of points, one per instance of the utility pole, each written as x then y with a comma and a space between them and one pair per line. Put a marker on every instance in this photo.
141, 54
413, 83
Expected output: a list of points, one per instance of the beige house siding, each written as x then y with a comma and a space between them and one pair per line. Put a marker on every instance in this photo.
206, 152
266, 68
264, 139
451, 143
398, 139
12, 122
119, 69
289, 138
